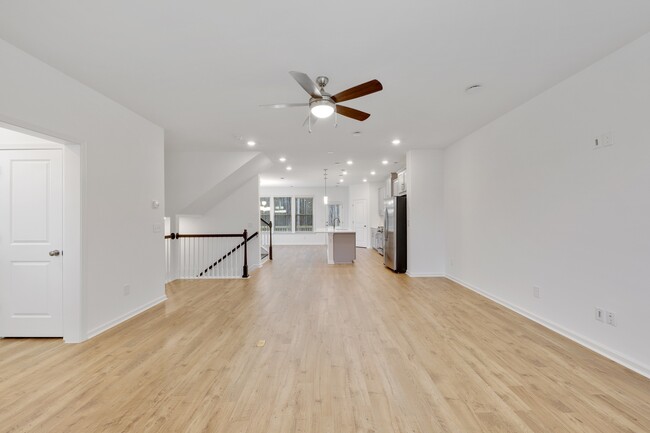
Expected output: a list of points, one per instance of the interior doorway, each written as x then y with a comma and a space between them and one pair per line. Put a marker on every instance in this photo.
40, 236
360, 207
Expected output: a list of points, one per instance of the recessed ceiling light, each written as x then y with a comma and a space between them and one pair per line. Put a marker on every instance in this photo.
337, 163
396, 141
250, 143
288, 168
474, 88
345, 172
365, 180
372, 173
385, 161
330, 153
350, 162
281, 178
282, 159
356, 133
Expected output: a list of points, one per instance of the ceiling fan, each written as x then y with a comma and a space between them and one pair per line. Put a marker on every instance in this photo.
322, 105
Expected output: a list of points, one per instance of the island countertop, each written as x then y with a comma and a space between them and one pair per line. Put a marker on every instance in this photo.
331, 230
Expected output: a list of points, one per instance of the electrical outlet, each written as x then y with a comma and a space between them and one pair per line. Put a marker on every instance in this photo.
600, 314
611, 318
157, 228
536, 292
127, 289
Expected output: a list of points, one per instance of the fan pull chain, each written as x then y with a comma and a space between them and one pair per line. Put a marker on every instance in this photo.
309, 117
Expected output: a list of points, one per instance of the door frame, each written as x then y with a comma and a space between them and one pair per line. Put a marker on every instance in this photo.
74, 157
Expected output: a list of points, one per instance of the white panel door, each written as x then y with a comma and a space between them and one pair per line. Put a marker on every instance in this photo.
31, 235
361, 221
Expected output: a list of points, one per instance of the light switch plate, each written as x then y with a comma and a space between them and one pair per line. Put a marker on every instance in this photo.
604, 140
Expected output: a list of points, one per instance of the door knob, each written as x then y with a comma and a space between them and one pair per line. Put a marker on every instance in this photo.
55, 253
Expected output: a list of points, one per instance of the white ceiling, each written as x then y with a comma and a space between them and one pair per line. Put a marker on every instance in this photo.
200, 69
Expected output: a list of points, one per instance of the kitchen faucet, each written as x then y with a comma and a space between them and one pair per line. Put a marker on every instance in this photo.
335, 220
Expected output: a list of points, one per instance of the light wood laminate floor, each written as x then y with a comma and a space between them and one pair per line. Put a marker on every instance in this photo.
349, 348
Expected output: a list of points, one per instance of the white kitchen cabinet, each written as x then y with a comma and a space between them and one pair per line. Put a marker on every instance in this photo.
390, 185
400, 183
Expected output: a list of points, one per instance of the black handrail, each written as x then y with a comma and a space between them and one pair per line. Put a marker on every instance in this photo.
244, 243
216, 235
269, 224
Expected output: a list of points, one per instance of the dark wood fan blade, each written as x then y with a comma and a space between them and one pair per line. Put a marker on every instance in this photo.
306, 83
358, 91
297, 104
352, 113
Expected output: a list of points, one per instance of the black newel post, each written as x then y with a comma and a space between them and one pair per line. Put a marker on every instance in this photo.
245, 274
271, 240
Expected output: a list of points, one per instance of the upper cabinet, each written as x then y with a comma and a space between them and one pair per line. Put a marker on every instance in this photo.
399, 182
388, 189
395, 184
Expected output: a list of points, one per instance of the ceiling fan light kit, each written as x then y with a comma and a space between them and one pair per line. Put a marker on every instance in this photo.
321, 108
322, 105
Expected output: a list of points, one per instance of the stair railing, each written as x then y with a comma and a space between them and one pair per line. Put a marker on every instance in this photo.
217, 255
169, 269
266, 236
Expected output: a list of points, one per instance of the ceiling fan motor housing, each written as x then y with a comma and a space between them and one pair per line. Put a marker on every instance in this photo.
322, 81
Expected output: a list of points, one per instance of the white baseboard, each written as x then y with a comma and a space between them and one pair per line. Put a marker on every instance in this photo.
615, 356
416, 275
108, 325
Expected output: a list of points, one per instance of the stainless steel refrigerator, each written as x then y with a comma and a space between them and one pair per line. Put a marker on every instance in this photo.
395, 224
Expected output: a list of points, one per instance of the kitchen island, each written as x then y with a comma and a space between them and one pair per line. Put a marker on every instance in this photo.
341, 246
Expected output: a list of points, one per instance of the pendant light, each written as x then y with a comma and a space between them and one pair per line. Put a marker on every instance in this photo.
325, 200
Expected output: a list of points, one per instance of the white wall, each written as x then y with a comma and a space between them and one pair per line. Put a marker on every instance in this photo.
191, 174
529, 202
425, 201
335, 194
238, 211
123, 172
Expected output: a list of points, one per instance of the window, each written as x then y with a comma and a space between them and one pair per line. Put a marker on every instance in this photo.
333, 213
304, 214
282, 214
